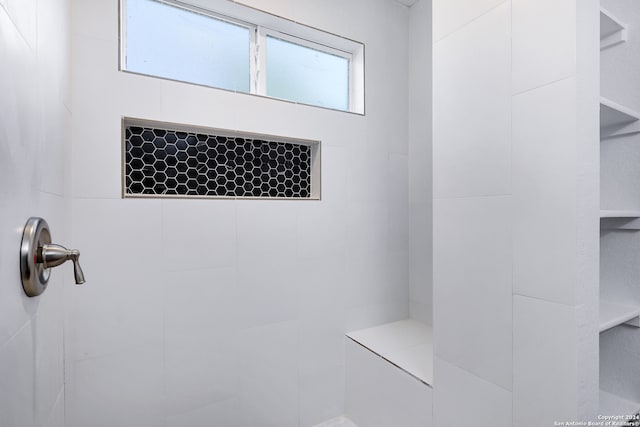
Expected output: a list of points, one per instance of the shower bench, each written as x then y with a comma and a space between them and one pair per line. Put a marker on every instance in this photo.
390, 375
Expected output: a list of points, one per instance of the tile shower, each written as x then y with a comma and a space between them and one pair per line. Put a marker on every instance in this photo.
232, 311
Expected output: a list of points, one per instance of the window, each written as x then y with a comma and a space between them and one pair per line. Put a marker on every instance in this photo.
307, 75
171, 42
242, 49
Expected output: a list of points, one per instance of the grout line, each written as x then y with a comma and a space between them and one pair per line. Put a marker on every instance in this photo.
570, 76
12, 337
488, 196
512, 222
548, 301
455, 30
33, 49
473, 374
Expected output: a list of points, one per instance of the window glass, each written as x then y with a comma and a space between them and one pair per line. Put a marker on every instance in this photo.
166, 41
302, 74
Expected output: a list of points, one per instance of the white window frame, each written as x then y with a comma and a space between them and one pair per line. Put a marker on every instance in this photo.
263, 33
262, 24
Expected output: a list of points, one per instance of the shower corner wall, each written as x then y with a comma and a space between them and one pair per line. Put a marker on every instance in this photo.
516, 210
420, 159
35, 151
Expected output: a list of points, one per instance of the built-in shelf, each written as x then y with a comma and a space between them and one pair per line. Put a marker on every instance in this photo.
616, 120
619, 214
612, 315
612, 31
610, 404
407, 344
619, 220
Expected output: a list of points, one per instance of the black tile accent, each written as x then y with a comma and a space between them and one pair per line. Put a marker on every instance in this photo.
177, 163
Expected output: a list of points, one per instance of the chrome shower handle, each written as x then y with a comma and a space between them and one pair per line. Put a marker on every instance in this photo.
54, 255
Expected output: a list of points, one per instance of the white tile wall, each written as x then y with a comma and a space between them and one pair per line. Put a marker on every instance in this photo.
56, 419
130, 381
89, 19
321, 341
459, 396
186, 104
190, 239
454, 14
381, 395
511, 82
244, 302
17, 378
268, 370
544, 351
222, 414
542, 57
199, 330
317, 397
92, 154
472, 118
49, 364
472, 268
544, 192
118, 311
24, 14
35, 127
419, 155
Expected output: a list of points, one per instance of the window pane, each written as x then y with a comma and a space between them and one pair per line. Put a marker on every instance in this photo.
167, 41
306, 75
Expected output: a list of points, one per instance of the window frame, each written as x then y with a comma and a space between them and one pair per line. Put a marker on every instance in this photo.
261, 40
260, 25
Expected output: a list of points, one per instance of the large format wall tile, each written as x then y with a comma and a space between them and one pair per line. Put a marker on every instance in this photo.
454, 14
35, 128
484, 403
541, 56
198, 234
130, 380
120, 307
472, 285
472, 118
544, 192
544, 362
382, 395
263, 290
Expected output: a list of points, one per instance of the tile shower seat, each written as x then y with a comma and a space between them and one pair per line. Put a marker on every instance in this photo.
407, 344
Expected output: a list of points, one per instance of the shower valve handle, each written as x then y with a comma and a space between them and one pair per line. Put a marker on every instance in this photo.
38, 255
54, 255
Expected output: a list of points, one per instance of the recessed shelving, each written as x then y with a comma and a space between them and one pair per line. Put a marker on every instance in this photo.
619, 219
612, 315
612, 31
621, 304
610, 404
619, 214
616, 120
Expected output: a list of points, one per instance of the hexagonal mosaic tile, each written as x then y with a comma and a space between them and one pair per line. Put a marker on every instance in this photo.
174, 163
